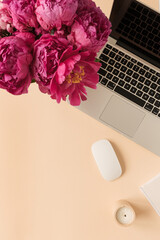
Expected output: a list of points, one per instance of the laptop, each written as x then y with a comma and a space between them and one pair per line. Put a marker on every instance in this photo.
127, 97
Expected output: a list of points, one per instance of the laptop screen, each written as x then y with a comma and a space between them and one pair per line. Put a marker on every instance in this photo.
137, 28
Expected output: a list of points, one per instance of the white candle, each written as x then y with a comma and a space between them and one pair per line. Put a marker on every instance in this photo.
124, 213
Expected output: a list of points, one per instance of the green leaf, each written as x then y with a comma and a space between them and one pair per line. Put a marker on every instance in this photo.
97, 60
33, 81
52, 32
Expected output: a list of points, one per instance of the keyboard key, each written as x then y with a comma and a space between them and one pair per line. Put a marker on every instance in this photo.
158, 89
154, 78
145, 89
152, 71
106, 51
112, 54
109, 46
111, 85
142, 71
153, 86
148, 106
104, 65
133, 89
115, 72
136, 68
127, 57
145, 11
121, 53
146, 67
133, 5
121, 75
139, 64
152, 15
104, 57
145, 96
115, 50
126, 30
139, 85
151, 100
147, 82
127, 79
157, 104
129, 96
111, 62
135, 75
115, 79
151, 92
121, 83
102, 72
124, 61
138, 37
134, 82
157, 96
123, 69
129, 72
118, 58
130, 64
127, 86
155, 111
139, 93
157, 74
134, 12
148, 75
139, 8
109, 68
133, 60
109, 76
117, 65
104, 81
141, 79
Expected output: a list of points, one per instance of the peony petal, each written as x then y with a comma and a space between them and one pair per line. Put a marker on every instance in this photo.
55, 91
91, 27
53, 14
78, 35
74, 99
60, 74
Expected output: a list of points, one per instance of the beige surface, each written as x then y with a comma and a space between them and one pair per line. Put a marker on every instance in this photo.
50, 187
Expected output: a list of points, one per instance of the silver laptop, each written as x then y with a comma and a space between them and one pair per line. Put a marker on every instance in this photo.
128, 94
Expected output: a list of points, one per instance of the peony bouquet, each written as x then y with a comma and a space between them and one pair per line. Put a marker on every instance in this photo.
53, 43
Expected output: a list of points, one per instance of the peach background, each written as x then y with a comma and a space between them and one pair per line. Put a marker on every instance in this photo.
50, 187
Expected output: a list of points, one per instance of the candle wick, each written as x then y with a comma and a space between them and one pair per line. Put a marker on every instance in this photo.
125, 215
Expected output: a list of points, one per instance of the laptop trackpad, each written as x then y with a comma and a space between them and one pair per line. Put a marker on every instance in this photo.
122, 116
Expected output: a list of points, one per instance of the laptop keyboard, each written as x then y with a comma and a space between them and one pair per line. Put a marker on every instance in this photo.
130, 78
142, 26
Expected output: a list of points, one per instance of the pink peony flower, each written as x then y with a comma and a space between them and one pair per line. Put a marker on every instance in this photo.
23, 14
28, 37
90, 29
60, 71
47, 52
54, 13
14, 65
84, 3
76, 71
6, 22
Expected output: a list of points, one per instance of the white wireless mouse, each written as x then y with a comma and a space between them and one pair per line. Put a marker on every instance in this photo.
106, 160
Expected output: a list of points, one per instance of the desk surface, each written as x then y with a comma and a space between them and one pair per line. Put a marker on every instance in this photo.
50, 187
